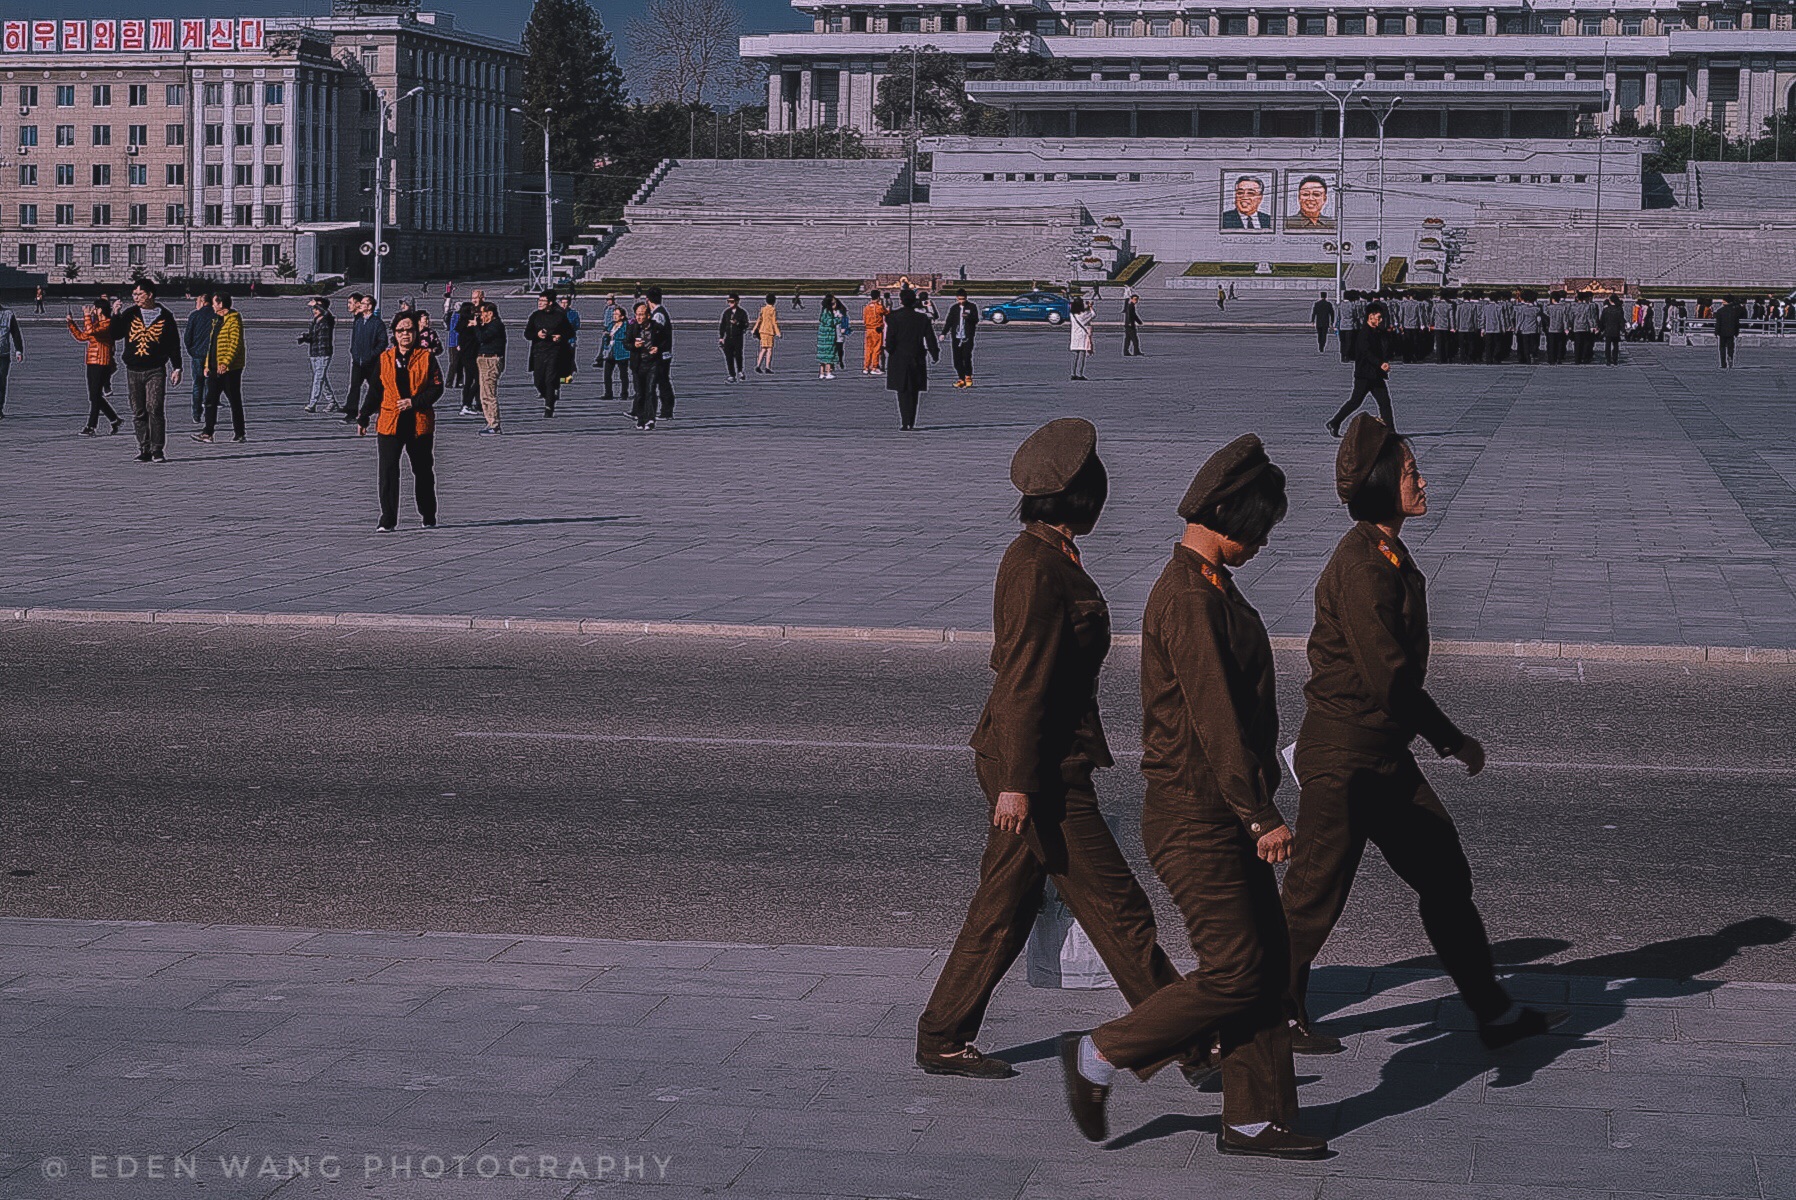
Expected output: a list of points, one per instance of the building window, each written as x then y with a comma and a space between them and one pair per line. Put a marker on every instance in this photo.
368, 136
28, 135
174, 95
1160, 27
1234, 27
140, 215
371, 58
246, 135
102, 95
100, 254
65, 135
215, 135
1671, 91
365, 179
175, 175
65, 174
102, 174
102, 214
65, 95
274, 93
174, 135
271, 254
244, 93
1272, 25
135, 255
137, 174
210, 256
214, 175
1391, 27
243, 214
271, 135
835, 24
27, 174
28, 215
1434, 26
1628, 92
271, 174
240, 256
271, 214
102, 135
1511, 25
1313, 26
212, 215
243, 175
1723, 22
1197, 27
174, 214
137, 135
28, 254
1122, 28
28, 96
174, 254
1590, 27
915, 25
1473, 26
212, 93
65, 214
65, 254
1630, 27
139, 94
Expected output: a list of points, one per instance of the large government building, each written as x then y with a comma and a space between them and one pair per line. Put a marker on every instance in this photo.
245, 149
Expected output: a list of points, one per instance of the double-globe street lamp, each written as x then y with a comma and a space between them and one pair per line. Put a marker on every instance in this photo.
387, 110
1340, 99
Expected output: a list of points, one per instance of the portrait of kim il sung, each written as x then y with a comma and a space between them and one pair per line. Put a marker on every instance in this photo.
1310, 203
1247, 198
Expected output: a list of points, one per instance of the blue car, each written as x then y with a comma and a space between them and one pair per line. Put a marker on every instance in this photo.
1051, 307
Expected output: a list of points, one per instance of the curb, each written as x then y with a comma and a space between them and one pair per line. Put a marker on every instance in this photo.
1583, 651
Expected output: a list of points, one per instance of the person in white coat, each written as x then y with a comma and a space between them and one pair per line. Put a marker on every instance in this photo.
1083, 317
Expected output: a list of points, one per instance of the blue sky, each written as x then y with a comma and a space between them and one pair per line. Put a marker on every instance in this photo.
495, 18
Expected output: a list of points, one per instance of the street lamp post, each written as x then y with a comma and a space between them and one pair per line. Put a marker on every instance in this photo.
1382, 114
910, 207
387, 111
1340, 99
548, 197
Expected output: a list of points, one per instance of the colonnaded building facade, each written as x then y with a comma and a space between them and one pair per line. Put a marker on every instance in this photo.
245, 148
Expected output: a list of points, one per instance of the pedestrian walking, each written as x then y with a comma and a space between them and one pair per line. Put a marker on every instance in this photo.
767, 332
149, 340
367, 342
1221, 298
962, 329
464, 325
1210, 827
1131, 326
797, 301
643, 365
38, 301
428, 340
1371, 369
1322, 315
411, 383
489, 363
9, 332
616, 352
826, 337
448, 304
873, 334
320, 341
1612, 323
546, 332
452, 364
909, 337
224, 368
661, 349
732, 327
1365, 702
843, 329
1727, 329
97, 333
569, 348
1038, 743
197, 337
1082, 318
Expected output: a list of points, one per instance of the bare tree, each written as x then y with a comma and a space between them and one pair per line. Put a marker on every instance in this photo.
686, 51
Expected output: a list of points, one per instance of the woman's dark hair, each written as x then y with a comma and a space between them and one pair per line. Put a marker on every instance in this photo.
408, 317
1078, 504
1380, 498
770, 298
1078, 304
1249, 515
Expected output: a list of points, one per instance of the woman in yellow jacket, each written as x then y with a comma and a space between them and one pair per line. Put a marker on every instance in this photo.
767, 328
96, 330
411, 383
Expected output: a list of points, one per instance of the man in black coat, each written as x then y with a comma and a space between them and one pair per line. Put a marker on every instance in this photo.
1611, 321
1371, 369
1727, 328
960, 328
1323, 314
909, 336
1131, 328
547, 333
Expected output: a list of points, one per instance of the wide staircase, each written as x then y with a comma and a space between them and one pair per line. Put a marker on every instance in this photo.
1707, 249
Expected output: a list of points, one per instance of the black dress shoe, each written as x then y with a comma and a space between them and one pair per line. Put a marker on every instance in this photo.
1085, 1098
1307, 1039
967, 1062
1532, 1022
1334, 428
1274, 1141
1200, 1068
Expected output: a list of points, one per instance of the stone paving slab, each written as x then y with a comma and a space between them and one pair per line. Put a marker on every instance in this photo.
1649, 504
782, 1071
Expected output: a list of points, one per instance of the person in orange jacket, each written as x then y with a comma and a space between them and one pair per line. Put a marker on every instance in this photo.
411, 383
96, 330
873, 329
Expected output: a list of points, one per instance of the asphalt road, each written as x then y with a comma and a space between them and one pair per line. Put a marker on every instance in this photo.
787, 792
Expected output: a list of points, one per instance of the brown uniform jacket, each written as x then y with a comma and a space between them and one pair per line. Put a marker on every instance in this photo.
1369, 651
1051, 634
1209, 704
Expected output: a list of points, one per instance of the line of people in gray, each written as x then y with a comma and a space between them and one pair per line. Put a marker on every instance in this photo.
1483, 326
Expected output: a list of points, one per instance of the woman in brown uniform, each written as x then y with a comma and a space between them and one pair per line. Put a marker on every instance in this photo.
1038, 742
1209, 736
1365, 703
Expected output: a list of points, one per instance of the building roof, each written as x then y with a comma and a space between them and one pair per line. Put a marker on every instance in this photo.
1263, 93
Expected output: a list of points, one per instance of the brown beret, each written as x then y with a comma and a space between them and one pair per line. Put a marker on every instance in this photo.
1229, 470
1362, 443
1050, 457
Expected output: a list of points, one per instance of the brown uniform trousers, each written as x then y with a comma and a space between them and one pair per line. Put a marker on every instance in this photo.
1068, 841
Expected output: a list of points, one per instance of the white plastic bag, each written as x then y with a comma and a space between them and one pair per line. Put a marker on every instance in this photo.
1059, 954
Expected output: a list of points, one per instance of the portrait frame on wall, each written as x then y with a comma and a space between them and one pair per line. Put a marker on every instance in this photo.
1246, 198
1310, 201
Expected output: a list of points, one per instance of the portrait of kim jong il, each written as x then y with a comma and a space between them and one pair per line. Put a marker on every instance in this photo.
1311, 204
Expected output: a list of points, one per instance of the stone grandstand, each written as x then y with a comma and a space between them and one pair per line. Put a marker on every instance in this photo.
1705, 251
773, 219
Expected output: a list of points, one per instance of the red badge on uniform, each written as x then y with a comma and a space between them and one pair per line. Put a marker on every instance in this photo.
1211, 574
1384, 548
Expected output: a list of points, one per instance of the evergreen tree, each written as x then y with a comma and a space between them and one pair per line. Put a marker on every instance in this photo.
572, 69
